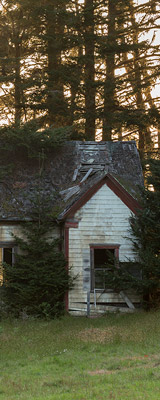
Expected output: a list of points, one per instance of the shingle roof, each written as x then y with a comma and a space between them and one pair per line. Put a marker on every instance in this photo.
66, 173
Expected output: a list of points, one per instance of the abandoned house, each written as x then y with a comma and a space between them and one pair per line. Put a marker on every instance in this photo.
97, 185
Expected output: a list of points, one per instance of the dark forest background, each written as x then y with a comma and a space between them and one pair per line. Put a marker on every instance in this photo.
88, 65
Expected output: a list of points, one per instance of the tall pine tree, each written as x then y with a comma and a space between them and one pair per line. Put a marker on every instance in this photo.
85, 63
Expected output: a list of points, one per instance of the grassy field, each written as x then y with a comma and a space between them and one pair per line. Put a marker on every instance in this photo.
112, 357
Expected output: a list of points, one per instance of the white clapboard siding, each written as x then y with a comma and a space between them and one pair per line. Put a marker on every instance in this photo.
104, 219
79, 310
6, 232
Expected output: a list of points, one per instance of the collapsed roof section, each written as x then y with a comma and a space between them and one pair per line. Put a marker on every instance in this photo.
66, 174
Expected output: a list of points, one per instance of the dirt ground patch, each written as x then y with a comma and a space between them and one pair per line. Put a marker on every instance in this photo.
147, 362
97, 335
100, 372
109, 335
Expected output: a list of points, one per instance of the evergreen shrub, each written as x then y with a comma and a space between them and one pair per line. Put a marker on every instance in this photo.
37, 282
143, 274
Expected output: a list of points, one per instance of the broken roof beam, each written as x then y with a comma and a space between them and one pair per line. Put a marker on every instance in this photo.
93, 146
94, 168
86, 175
93, 162
67, 193
75, 175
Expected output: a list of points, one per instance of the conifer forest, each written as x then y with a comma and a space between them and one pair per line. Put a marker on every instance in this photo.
90, 66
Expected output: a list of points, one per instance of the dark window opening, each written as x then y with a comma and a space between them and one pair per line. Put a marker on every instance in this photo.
6, 256
103, 257
102, 261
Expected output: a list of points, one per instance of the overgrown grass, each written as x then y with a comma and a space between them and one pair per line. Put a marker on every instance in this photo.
112, 357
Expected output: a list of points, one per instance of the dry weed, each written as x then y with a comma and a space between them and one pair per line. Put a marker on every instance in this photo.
97, 335
109, 335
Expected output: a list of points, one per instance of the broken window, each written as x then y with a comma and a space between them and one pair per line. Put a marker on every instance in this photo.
7, 256
103, 259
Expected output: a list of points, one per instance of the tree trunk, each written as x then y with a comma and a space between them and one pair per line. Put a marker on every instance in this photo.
89, 74
55, 95
77, 65
17, 81
145, 141
109, 85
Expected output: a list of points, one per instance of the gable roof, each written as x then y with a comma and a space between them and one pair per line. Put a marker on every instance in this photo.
113, 184
68, 173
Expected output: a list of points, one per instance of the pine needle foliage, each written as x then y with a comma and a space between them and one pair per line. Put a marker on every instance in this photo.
30, 140
37, 282
89, 64
143, 275
146, 229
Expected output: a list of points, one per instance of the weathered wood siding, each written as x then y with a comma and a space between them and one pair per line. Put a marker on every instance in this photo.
7, 240
6, 232
104, 219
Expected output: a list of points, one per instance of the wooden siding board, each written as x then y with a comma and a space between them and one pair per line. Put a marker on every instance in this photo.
79, 312
81, 296
103, 219
6, 232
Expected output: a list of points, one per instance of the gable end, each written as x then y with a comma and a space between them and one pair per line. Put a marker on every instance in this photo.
115, 186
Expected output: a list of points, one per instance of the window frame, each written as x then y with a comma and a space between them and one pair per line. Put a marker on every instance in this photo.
6, 245
93, 247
